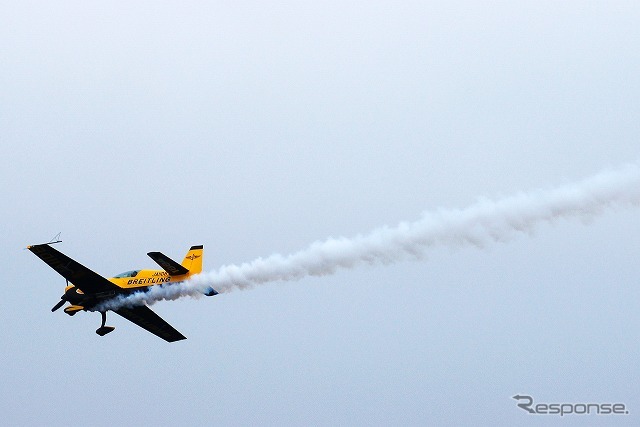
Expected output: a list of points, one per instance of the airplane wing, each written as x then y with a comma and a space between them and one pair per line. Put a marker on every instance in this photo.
144, 317
169, 265
86, 280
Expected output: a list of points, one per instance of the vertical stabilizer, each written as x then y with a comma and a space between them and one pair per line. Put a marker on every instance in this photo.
193, 260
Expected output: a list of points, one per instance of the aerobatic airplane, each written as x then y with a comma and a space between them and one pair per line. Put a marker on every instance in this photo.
85, 289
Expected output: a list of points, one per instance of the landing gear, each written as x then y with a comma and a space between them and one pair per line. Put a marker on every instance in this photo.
73, 309
104, 330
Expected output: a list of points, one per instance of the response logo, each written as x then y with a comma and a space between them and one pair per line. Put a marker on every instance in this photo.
527, 404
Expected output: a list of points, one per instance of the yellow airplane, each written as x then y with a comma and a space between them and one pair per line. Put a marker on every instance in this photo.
85, 289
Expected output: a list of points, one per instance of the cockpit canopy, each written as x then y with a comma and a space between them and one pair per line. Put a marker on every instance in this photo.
131, 273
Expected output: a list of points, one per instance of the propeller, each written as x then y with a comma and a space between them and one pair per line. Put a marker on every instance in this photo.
59, 304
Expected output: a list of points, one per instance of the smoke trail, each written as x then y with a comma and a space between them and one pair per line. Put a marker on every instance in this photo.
484, 222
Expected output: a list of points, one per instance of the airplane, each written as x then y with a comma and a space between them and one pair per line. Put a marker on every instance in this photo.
86, 289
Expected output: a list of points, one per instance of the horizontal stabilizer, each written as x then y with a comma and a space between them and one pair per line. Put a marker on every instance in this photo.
167, 264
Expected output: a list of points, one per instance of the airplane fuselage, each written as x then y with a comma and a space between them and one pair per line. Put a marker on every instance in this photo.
136, 279
128, 282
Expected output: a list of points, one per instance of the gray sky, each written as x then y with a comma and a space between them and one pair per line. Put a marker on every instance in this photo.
252, 129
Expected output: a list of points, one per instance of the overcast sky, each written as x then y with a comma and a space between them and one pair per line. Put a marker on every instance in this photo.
256, 128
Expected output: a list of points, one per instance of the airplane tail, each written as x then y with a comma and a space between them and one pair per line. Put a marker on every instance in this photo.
193, 260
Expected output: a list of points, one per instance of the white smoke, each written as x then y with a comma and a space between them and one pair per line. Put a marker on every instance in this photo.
484, 222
